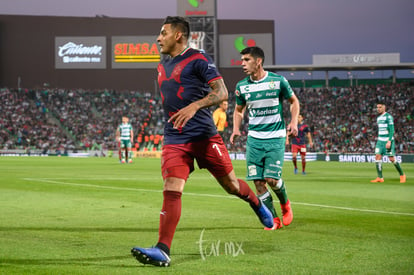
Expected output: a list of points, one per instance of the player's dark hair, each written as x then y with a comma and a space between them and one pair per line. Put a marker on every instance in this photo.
256, 52
381, 102
178, 22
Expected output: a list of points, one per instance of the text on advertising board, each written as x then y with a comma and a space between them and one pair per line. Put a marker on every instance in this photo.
140, 52
70, 53
80, 52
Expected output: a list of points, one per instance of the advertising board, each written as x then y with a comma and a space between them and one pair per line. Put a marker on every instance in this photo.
135, 52
80, 52
230, 46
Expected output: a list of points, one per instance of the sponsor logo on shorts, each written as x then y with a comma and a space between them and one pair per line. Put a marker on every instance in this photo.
252, 170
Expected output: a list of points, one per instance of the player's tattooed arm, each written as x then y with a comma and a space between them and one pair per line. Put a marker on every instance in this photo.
217, 94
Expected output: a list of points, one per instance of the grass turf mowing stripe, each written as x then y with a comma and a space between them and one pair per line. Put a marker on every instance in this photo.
215, 196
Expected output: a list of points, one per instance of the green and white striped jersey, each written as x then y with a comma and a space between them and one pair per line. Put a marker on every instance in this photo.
385, 124
125, 131
264, 101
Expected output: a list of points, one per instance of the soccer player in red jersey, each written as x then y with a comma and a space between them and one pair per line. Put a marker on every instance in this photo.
190, 83
299, 144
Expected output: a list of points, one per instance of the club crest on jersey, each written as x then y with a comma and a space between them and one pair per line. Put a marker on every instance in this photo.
272, 85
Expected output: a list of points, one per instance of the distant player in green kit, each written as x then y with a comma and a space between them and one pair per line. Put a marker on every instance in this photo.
385, 143
125, 136
262, 94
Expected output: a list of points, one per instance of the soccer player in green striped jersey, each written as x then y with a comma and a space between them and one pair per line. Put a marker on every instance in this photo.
262, 94
125, 136
385, 143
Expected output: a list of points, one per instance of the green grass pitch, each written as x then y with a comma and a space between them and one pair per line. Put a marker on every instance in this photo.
83, 215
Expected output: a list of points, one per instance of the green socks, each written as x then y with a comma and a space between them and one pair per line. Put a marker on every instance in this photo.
267, 200
280, 192
399, 169
378, 165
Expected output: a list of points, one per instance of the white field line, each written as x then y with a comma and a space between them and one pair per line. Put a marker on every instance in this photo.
213, 196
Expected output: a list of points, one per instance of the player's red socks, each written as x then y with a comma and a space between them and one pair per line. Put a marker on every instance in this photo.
247, 194
169, 217
171, 212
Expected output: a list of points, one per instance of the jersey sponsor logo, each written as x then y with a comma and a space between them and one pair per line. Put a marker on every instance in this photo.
258, 87
277, 165
245, 89
267, 112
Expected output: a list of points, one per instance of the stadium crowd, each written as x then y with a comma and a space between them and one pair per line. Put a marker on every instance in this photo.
342, 119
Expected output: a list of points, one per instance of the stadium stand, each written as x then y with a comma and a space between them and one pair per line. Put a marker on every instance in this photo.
342, 119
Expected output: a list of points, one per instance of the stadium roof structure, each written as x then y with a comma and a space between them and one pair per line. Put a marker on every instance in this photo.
327, 68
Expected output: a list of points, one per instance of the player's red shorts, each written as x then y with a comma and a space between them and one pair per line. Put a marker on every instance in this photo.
299, 148
177, 160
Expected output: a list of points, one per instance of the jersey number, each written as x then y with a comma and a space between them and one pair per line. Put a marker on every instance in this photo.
215, 146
